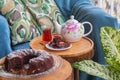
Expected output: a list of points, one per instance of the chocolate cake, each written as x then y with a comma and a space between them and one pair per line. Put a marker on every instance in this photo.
28, 61
59, 42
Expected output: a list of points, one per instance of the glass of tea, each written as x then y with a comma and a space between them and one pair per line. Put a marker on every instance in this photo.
47, 34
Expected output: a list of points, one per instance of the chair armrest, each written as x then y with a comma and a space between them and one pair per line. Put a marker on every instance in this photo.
5, 42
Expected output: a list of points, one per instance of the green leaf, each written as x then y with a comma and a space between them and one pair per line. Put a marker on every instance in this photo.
95, 69
110, 39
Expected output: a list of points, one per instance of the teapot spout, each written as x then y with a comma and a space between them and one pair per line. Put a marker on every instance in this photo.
57, 27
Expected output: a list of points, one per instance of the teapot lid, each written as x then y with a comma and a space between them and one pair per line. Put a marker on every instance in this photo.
72, 20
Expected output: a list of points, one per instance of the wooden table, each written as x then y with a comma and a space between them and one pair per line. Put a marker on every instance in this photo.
80, 50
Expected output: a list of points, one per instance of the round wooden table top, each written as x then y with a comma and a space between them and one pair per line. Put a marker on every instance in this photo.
78, 49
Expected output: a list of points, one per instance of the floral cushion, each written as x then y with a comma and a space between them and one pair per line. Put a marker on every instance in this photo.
45, 11
23, 27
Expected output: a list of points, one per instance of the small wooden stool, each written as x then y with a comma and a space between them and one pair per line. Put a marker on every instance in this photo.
80, 50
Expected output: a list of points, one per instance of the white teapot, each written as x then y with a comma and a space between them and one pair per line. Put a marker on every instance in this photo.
72, 30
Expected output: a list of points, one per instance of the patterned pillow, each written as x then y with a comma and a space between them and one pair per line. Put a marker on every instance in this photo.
45, 11
23, 27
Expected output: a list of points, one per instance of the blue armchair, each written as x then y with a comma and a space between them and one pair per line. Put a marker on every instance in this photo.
83, 10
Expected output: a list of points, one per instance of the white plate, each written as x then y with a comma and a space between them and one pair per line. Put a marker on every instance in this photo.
57, 49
